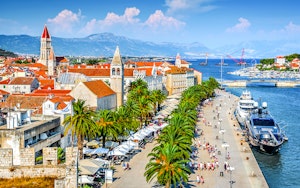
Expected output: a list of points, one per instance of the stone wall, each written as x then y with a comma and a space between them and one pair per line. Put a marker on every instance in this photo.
6, 158
66, 174
27, 157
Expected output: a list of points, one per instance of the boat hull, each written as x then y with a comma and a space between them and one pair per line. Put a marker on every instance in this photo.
264, 148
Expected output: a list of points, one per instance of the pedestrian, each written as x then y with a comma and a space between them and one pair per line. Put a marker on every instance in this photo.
198, 179
128, 167
202, 179
124, 166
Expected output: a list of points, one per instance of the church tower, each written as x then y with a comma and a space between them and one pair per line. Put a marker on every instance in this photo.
117, 77
47, 57
178, 61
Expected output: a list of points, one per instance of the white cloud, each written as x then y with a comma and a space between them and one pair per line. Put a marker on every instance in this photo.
65, 21
242, 26
292, 28
158, 19
127, 18
183, 5
129, 22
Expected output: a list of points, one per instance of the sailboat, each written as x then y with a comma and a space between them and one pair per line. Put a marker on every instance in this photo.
204, 63
222, 63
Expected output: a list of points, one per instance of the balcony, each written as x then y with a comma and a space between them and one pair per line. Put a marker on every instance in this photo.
40, 144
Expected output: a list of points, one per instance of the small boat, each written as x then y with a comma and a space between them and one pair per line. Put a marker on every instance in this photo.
245, 106
204, 63
264, 133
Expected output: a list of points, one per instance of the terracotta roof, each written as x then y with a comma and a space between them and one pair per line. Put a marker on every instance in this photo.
61, 59
61, 105
177, 70
26, 102
46, 92
5, 81
184, 62
2, 92
21, 81
45, 33
99, 88
46, 83
145, 63
92, 72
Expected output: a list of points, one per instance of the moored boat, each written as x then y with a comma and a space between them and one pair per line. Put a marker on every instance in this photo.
245, 106
264, 132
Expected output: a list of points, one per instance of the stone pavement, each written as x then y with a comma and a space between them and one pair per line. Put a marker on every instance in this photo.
246, 171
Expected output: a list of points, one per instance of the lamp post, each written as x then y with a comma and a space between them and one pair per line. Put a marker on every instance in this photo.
225, 145
231, 181
222, 131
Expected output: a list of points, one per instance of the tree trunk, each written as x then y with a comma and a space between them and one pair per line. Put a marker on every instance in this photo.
80, 146
168, 184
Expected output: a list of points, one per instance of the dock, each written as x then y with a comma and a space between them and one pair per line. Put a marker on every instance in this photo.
244, 170
261, 82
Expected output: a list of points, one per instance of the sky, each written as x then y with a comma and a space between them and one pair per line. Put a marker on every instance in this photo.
213, 23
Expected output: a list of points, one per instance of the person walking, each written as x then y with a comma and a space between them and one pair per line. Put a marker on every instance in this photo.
202, 179
198, 179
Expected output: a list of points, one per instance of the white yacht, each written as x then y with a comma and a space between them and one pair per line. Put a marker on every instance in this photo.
245, 106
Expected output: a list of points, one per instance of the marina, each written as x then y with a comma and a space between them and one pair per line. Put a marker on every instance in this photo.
263, 132
281, 169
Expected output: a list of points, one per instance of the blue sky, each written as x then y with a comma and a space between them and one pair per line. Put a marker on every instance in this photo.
213, 23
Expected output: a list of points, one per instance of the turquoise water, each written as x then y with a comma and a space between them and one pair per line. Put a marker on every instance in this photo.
282, 169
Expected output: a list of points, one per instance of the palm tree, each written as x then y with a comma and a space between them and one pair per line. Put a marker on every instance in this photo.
81, 124
157, 98
106, 125
125, 121
167, 165
145, 107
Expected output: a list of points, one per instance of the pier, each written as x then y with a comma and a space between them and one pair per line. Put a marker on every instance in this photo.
261, 82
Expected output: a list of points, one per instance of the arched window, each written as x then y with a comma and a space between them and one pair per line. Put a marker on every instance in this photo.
118, 71
113, 71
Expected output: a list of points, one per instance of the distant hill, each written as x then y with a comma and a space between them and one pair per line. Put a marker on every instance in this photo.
7, 53
104, 44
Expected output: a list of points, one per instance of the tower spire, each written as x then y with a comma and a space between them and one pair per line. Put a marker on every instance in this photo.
45, 33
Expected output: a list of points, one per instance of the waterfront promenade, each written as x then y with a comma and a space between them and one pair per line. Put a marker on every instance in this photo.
245, 170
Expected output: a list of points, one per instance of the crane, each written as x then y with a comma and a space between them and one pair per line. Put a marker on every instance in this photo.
241, 61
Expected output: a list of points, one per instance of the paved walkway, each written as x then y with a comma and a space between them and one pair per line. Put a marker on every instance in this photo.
246, 171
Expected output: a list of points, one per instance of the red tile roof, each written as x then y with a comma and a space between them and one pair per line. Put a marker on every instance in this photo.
46, 83
5, 81
46, 92
21, 81
92, 72
2, 92
26, 102
99, 88
61, 105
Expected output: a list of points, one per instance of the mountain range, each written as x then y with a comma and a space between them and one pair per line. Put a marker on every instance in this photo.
104, 44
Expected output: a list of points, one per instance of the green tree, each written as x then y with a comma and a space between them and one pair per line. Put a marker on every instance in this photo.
81, 124
106, 125
167, 165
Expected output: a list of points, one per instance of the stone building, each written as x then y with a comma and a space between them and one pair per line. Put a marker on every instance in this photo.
96, 94
23, 131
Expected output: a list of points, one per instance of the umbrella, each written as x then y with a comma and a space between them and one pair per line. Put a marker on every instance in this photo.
93, 143
99, 151
87, 150
111, 144
115, 152
86, 179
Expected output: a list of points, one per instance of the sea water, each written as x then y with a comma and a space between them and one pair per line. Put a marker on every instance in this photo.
282, 169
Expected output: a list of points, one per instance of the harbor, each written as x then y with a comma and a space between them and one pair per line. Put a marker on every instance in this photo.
223, 135
256, 82
280, 170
